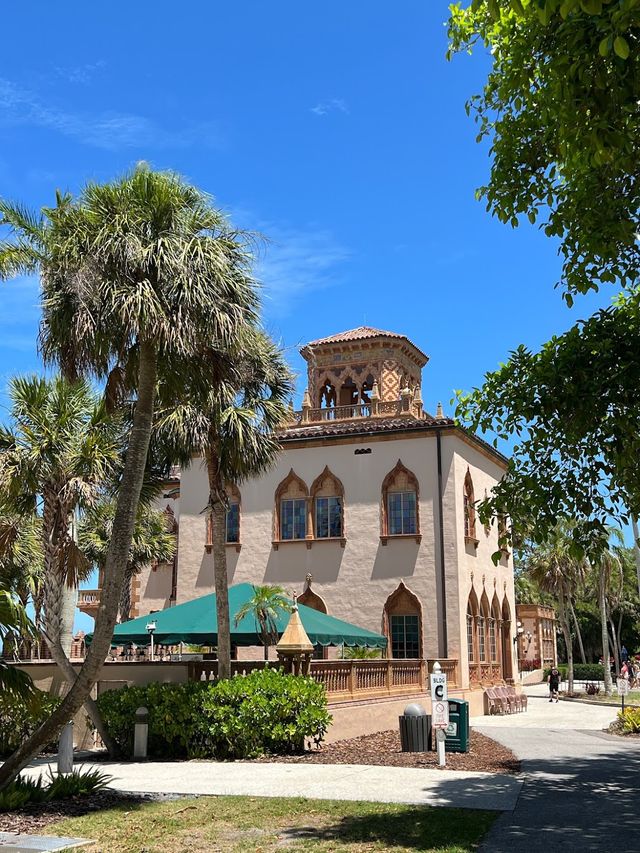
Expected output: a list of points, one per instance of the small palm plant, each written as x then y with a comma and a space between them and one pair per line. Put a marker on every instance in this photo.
266, 605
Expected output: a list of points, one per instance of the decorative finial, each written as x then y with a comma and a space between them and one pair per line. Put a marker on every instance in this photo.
375, 393
418, 395
439, 412
309, 579
306, 399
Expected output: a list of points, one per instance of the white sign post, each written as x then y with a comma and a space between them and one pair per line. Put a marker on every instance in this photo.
439, 709
623, 688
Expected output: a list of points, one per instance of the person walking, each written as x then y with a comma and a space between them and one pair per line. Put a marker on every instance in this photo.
554, 684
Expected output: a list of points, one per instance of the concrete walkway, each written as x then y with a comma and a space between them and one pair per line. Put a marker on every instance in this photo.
581, 787
315, 781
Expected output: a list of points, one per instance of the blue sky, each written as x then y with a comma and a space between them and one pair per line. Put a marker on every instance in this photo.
336, 129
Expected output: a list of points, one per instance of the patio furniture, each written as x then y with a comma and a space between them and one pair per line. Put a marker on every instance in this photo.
497, 704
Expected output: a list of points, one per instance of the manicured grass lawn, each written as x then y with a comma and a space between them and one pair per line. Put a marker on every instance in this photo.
243, 824
632, 698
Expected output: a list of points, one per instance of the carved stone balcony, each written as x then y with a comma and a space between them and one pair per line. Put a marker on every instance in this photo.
380, 409
89, 601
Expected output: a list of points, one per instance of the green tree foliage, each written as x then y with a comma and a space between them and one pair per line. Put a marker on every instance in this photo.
138, 276
266, 711
233, 427
560, 110
14, 625
151, 541
266, 605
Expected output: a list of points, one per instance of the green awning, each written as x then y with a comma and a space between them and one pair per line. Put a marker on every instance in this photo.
195, 622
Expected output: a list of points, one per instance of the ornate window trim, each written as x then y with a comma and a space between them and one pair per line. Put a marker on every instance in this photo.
233, 496
387, 488
280, 493
316, 486
402, 602
469, 510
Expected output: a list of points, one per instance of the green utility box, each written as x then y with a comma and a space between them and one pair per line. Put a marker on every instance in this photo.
458, 729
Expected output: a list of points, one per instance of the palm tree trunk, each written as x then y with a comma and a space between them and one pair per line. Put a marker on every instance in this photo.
115, 568
125, 597
578, 632
604, 634
614, 643
566, 630
218, 509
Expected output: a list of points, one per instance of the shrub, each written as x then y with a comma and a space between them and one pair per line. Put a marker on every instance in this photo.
581, 671
241, 717
19, 718
24, 790
630, 720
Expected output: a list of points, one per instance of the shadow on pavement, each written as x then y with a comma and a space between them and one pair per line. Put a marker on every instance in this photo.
571, 804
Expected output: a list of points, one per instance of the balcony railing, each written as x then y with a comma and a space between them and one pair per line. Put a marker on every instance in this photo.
347, 679
356, 411
88, 597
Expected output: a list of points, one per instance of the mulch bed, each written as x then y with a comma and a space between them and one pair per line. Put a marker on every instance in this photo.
383, 748
33, 819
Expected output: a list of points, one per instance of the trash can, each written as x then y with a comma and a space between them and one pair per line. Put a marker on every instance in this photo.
457, 731
415, 729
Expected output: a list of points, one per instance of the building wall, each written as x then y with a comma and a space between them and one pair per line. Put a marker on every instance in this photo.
356, 580
153, 584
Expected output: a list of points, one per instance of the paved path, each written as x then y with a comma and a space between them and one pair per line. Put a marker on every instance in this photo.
316, 781
581, 787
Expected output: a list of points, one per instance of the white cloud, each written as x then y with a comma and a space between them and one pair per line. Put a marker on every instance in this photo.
332, 105
102, 130
295, 262
82, 74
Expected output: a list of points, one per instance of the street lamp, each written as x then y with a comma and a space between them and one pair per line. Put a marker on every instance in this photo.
151, 627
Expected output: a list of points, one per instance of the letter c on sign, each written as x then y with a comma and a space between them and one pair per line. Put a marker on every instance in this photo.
439, 691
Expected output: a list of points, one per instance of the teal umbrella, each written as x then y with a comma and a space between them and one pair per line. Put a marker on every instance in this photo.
195, 622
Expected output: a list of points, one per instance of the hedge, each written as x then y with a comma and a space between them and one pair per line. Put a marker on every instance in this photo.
19, 718
242, 717
581, 671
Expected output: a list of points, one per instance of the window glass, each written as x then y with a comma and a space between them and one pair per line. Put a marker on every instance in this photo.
470, 637
481, 639
405, 636
492, 639
233, 522
402, 513
293, 519
328, 517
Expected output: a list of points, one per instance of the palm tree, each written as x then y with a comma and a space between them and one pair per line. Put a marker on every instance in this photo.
136, 276
266, 605
232, 427
557, 570
14, 625
152, 542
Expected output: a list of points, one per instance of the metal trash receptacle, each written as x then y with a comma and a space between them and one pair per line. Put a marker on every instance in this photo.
415, 729
457, 731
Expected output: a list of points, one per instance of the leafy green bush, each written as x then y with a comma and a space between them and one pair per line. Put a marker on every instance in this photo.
25, 790
630, 720
581, 671
241, 717
22, 792
20, 717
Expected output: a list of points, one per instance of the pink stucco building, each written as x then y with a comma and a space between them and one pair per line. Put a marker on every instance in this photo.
368, 514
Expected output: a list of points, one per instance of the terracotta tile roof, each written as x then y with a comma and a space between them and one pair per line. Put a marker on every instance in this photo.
371, 426
360, 426
359, 334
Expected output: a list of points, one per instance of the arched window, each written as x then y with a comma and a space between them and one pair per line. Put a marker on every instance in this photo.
327, 396
469, 504
399, 508
494, 628
402, 623
233, 515
473, 641
327, 494
483, 630
507, 645
291, 510
232, 523
470, 634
